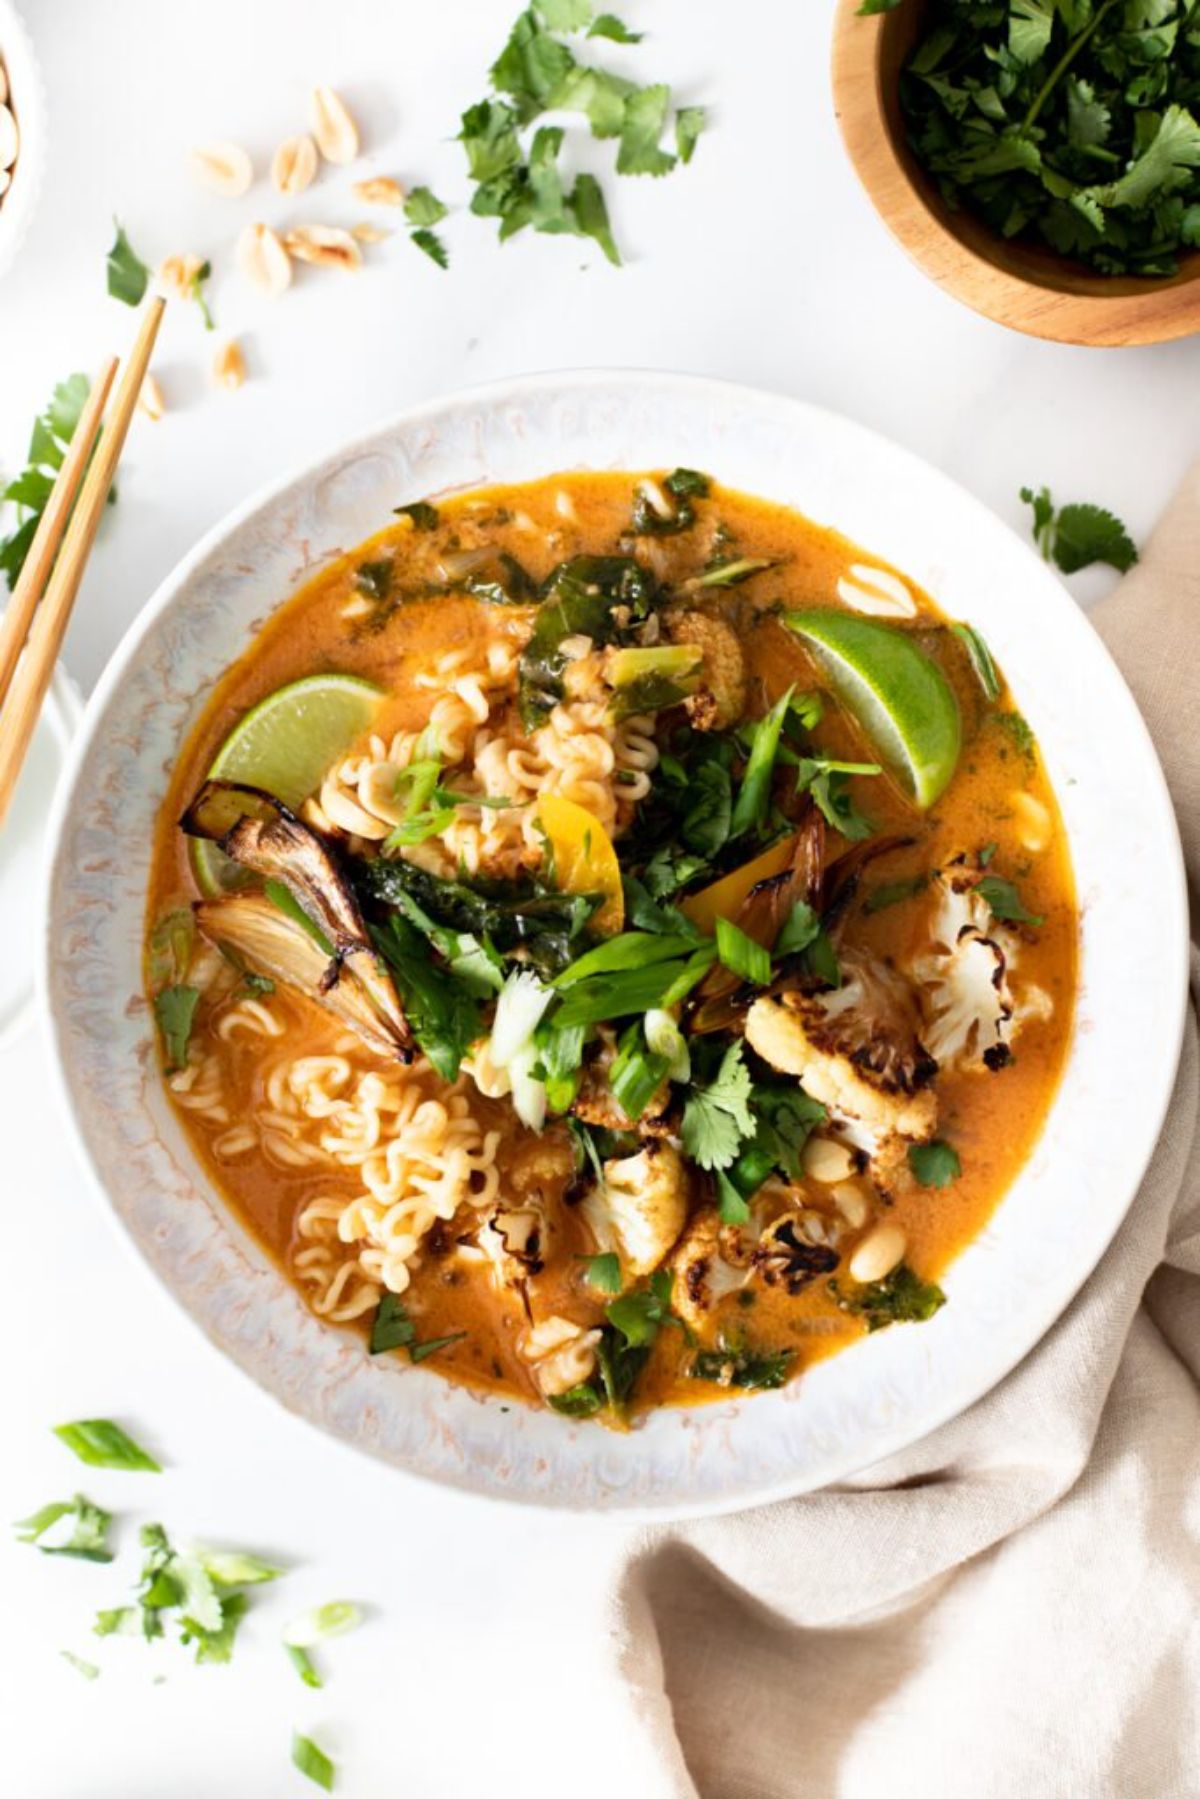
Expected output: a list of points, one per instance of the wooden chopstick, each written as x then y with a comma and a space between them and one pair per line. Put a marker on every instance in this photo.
28, 690
18, 616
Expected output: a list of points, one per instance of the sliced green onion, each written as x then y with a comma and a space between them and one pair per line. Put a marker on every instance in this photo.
629, 950
303, 1663
741, 955
313, 1762
666, 1039
333, 1619
102, 1444
750, 808
236, 1567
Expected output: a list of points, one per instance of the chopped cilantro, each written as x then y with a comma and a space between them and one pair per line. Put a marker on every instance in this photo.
432, 245
422, 207
901, 1297
893, 893
608, 25
1005, 901
424, 516
174, 1012
738, 1366
128, 276
934, 1164
88, 1538
603, 1272
392, 1328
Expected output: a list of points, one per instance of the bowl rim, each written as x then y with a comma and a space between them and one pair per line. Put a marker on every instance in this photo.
956, 1394
1127, 315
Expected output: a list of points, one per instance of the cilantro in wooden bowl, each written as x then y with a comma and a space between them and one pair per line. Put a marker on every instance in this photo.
1039, 158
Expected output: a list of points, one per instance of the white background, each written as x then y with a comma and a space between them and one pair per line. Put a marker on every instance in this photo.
480, 1667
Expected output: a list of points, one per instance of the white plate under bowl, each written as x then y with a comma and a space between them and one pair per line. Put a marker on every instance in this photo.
1052, 1226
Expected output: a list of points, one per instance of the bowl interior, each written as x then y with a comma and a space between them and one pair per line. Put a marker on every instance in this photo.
1055, 1221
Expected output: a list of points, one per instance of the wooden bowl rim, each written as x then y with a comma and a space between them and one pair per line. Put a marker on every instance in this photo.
1115, 319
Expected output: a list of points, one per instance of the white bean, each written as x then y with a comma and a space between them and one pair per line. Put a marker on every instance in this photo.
880, 1251
827, 1161
852, 1203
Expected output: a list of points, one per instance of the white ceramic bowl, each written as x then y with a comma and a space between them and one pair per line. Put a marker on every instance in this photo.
1053, 1225
27, 100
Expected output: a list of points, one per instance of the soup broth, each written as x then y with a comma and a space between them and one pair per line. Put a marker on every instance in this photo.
821, 1131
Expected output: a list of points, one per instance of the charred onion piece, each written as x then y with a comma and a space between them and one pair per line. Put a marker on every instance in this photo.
722, 996
258, 832
275, 945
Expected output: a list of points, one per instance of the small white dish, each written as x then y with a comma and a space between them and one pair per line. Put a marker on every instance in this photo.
1053, 1225
27, 101
23, 846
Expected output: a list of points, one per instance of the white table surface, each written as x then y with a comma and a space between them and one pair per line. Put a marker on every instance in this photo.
479, 1670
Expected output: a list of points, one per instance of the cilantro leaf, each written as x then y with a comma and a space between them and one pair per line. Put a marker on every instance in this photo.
717, 1117
690, 121
1005, 901
934, 1164
566, 15
422, 207
128, 276
1076, 535
28, 492
645, 119
175, 1012
608, 25
603, 1272
432, 245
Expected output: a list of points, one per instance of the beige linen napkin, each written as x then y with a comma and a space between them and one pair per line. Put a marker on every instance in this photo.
1011, 1608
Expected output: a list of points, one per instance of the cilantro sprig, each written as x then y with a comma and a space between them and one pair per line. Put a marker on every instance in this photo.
29, 491
1079, 534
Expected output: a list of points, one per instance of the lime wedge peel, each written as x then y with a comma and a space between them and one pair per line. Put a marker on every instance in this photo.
284, 745
896, 694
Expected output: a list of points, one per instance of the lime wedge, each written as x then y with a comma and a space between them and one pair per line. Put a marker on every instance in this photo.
284, 745
900, 698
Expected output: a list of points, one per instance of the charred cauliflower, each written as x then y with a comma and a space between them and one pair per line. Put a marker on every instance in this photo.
561, 1353
856, 1048
641, 1208
711, 1260
971, 1014
720, 699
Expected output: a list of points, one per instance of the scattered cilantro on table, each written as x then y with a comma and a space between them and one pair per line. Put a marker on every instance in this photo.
29, 491
520, 183
1076, 535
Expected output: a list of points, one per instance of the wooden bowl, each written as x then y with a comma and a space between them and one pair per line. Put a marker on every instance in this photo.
1018, 284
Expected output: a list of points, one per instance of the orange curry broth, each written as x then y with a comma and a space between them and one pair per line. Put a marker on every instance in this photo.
992, 1119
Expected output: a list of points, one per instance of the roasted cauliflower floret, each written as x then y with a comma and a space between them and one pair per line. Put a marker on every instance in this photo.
797, 1247
856, 1048
711, 1260
515, 1241
641, 1208
964, 978
561, 1354
720, 699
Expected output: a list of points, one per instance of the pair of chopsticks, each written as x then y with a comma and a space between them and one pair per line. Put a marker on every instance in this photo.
37, 616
